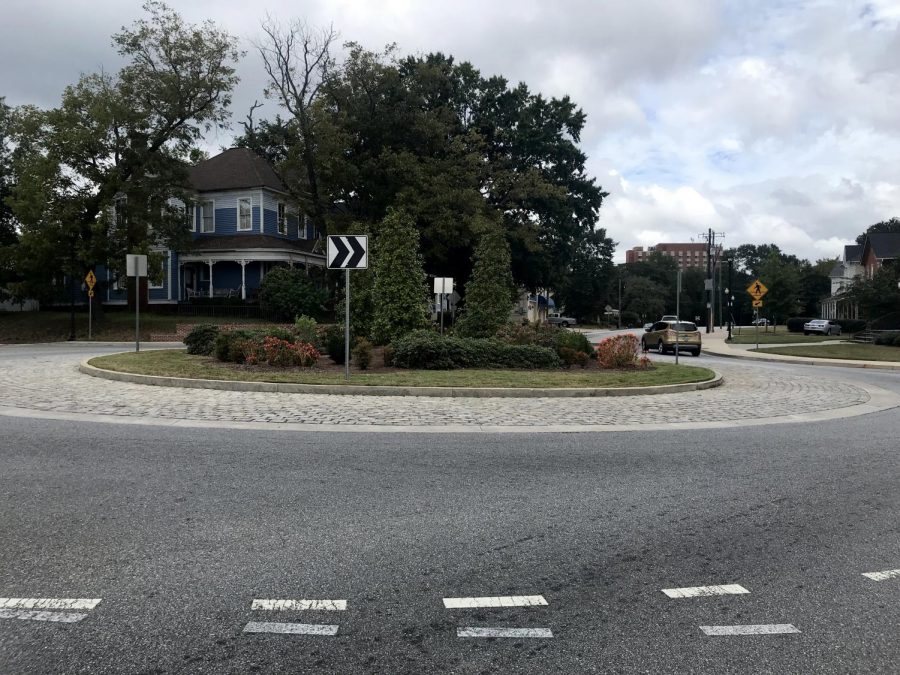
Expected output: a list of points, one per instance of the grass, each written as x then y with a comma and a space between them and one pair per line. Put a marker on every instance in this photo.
177, 363
843, 351
27, 327
748, 337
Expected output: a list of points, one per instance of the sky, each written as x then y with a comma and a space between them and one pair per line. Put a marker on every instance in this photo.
766, 120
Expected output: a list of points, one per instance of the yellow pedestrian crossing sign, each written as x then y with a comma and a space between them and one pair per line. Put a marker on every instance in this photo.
90, 280
757, 289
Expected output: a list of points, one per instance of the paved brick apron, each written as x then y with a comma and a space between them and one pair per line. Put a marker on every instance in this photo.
52, 383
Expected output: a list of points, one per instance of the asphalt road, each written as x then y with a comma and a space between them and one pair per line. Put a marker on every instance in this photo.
178, 531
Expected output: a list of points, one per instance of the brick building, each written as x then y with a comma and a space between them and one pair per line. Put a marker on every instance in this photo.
687, 255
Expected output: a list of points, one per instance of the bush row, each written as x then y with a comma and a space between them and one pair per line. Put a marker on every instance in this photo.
430, 351
255, 347
888, 338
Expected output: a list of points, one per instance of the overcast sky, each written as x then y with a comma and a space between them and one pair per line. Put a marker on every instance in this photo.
767, 120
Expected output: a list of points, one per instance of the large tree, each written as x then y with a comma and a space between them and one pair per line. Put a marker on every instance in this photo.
96, 180
891, 225
584, 289
8, 235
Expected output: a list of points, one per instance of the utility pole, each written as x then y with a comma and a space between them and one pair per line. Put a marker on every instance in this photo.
711, 260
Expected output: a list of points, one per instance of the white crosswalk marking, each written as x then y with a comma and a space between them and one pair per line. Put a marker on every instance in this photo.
32, 615
882, 576
300, 605
705, 591
48, 603
496, 601
757, 629
483, 632
291, 628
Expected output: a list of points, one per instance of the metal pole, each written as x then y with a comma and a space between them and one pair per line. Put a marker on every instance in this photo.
90, 312
620, 300
719, 290
347, 324
756, 314
137, 312
709, 238
442, 306
677, 313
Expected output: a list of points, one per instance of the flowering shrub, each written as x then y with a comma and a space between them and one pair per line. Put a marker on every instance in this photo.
572, 357
621, 351
278, 352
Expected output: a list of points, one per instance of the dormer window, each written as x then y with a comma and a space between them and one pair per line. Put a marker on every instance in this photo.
245, 215
282, 218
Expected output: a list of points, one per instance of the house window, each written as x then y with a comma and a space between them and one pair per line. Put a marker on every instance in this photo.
245, 215
282, 218
207, 217
302, 228
157, 280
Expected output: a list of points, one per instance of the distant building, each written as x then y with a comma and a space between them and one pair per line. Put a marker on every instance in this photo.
843, 274
687, 255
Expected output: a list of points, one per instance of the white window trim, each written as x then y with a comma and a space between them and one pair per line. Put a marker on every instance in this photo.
249, 201
302, 223
200, 216
281, 216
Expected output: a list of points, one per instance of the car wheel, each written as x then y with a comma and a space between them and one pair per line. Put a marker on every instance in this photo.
660, 347
696, 352
564, 324
806, 332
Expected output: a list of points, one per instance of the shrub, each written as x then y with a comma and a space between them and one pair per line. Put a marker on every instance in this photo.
526, 333
424, 349
621, 351
887, 338
305, 329
202, 339
490, 290
280, 333
573, 340
795, 323
333, 339
287, 293
388, 356
226, 348
362, 353
572, 357
850, 325
284, 353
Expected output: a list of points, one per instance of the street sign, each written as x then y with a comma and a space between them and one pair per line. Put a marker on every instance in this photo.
348, 252
91, 293
90, 279
136, 265
757, 303
443, 285
757, 289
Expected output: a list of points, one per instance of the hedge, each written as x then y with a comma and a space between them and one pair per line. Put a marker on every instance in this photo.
850, 325
430, 351
202, 339
795, 323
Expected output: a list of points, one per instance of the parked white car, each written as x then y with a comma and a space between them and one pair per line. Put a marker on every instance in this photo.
822, 326
558, 319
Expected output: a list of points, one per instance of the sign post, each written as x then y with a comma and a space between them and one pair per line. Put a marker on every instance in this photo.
443, 286
90, 280
757, 290
136, 266
347, 252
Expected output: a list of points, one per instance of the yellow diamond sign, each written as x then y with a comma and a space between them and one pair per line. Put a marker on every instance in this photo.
90, 279
757, 289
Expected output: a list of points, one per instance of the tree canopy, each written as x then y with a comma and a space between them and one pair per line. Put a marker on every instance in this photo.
96, 175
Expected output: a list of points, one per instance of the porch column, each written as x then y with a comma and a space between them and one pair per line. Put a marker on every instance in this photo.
243, 279
210, 262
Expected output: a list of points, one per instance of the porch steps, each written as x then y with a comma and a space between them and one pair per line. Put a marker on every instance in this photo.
865, 337
182, 329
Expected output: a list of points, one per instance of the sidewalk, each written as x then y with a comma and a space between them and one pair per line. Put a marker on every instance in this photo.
714, 343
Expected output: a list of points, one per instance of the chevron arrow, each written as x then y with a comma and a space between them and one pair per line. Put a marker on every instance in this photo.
339, 252
359, 252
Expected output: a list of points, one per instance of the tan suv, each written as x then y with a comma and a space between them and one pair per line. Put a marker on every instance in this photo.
661, 337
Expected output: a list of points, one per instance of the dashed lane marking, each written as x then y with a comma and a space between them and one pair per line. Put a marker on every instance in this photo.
757, 629
298, 605
291, 628
497, 601
48, 603
882, 576
482, 632
31, 615
705, 591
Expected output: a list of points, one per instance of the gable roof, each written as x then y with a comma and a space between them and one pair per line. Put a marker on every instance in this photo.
886, 245
853, 253
234, 169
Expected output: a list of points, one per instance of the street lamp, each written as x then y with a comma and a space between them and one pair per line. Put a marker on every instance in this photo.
728, 300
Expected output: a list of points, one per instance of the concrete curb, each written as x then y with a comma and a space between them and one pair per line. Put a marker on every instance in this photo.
361, 390
803, 361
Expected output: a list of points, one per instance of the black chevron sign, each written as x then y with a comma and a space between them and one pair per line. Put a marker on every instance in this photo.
348, 252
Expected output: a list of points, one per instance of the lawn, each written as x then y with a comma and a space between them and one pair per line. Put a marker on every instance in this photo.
19, 327
843, 351
748, 337
177, 363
